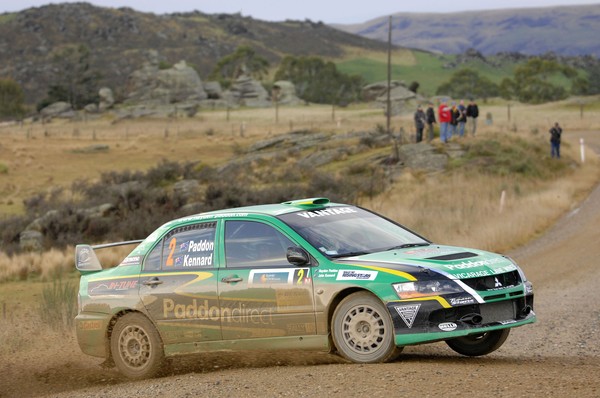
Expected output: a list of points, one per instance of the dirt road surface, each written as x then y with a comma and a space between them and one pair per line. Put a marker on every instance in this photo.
556, 357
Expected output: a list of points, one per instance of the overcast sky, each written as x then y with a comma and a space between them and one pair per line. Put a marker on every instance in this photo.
328, 11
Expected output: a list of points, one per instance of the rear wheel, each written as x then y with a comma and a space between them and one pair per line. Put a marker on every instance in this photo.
479, 344
136, 347
362, 329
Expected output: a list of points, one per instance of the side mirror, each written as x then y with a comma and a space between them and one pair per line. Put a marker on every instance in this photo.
297, 256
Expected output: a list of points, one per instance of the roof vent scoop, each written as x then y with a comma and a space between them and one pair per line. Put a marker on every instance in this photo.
308, 202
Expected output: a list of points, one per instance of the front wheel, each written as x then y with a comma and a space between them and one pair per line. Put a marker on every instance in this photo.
363, 330
136, 347
479, 344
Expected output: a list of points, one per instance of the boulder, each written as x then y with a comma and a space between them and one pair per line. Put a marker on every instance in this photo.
286, 93
213, 90
370, 92
107, 99
246, 91
422, 156
30, 240
58, 110
153, 86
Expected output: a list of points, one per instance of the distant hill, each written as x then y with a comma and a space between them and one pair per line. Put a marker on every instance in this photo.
569, 30
120, 38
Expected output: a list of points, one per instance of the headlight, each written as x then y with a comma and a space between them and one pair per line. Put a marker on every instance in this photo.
417, 289
519, 270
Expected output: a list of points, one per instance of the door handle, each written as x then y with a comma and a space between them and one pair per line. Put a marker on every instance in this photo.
232, 279
152, 282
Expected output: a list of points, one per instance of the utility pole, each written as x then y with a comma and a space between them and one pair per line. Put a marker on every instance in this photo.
389, 77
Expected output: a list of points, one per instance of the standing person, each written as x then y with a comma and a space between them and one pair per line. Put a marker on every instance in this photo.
445, 118
472, 114
462, 118
420, 120
555, 133
430, 117
454, 116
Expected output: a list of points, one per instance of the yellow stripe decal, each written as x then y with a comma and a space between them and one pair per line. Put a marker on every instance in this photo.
439, 299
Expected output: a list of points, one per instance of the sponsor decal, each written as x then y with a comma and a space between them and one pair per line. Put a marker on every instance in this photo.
133, 260
212, 216
295, 276
447, 326
351, 275
120, 286
461, 301
326, 273
334, 211
84, 256
429, 251
300, 328
474, 264
291, 299
408, 313
237, 312
508, 322
90, 325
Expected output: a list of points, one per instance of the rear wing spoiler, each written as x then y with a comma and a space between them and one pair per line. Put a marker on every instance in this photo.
86, 259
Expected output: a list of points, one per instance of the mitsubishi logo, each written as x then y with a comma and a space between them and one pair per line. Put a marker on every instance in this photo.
497, 283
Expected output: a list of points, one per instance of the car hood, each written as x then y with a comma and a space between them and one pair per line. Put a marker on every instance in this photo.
453, 262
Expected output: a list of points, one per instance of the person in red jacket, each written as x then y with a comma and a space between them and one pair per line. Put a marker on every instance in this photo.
444, 117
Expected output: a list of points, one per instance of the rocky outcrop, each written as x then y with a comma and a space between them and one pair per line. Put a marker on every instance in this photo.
246, 91
286, 93
402, 100
107, 99
154, 86
58, 110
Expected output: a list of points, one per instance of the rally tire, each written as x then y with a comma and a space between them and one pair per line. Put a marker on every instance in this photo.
136, 347
362, 329
479, 344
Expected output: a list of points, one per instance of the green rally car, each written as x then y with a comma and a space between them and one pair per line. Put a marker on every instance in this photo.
306, 274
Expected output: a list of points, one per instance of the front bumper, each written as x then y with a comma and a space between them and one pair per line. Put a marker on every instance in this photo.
423, 321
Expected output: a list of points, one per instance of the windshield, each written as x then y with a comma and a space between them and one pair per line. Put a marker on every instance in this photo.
348, 231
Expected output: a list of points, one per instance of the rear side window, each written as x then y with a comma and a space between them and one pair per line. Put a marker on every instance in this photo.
188, 247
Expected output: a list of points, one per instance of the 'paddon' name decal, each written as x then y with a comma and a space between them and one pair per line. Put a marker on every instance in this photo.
333, 211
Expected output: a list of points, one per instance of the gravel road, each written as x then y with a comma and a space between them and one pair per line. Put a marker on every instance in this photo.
556, 357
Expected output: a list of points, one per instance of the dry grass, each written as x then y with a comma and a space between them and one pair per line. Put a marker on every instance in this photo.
456, 208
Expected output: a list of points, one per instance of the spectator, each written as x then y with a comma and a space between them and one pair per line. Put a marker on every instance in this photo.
454, 117
462, 119
472, 114
420, 120
555, 133
445, 118
430, 116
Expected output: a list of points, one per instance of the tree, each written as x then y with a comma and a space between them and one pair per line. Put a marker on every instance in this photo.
467, 83
12, 99
244, 60
319, 81
75, 81
531, 81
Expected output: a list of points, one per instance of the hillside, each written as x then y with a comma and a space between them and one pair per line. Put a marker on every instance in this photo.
119, 39
569, 30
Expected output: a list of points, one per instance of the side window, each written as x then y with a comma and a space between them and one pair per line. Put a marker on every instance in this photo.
254, 244
186, 247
